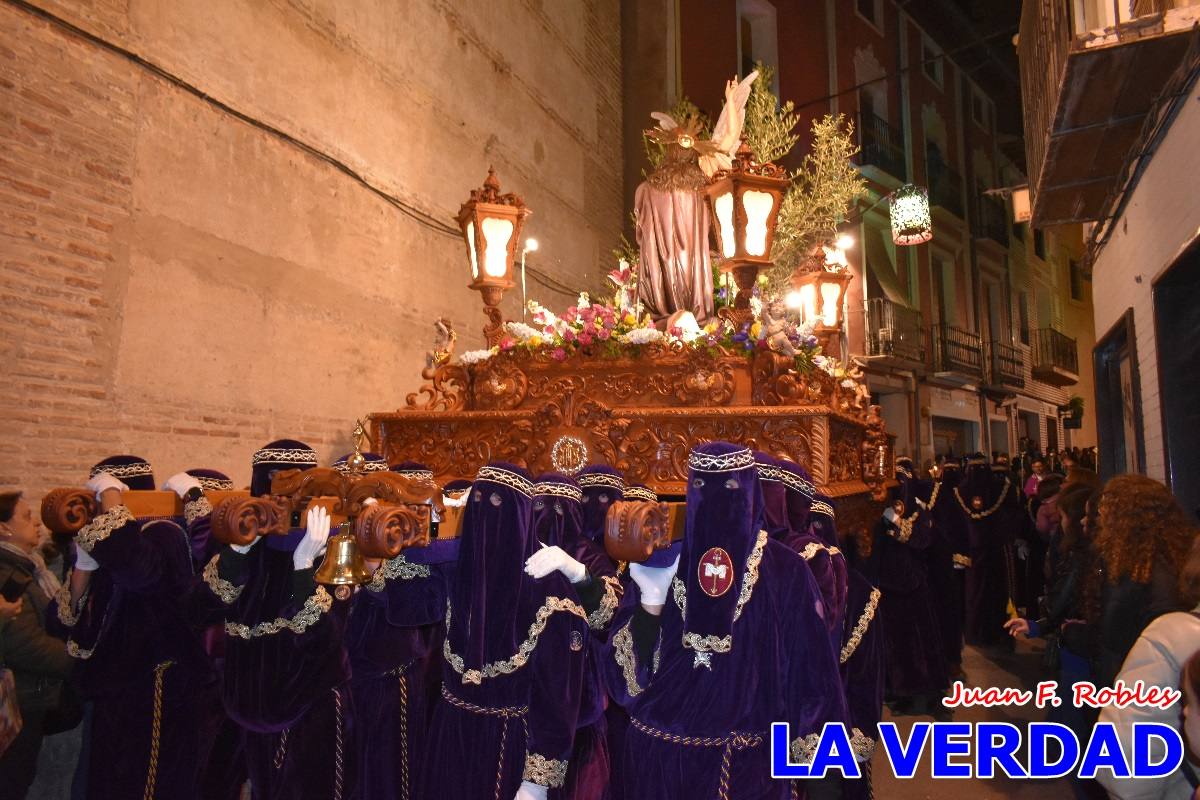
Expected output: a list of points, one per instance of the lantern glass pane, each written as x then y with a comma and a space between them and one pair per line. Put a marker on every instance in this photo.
911, 220
471, 251
723, 205
808, 302
829, 303
758, 207
496, 234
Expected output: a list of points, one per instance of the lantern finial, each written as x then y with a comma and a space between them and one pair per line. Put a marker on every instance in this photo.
491, 223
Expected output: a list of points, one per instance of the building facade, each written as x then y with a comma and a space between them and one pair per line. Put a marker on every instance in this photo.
1112, 111
962, 340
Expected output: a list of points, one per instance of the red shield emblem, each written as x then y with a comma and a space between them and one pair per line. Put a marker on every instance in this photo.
715, 572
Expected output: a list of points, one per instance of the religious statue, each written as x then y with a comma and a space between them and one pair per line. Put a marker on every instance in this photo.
672, 217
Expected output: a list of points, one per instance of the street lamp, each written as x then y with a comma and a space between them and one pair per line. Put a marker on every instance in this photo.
911, 220
491, 225
744, 201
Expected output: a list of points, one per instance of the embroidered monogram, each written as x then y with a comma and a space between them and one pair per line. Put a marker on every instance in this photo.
397, 567
102, 526
316, 605
722, 644
860, 628
518, 659
544, 771
222, 588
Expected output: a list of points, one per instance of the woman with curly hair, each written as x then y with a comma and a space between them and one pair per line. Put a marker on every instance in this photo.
1142, 541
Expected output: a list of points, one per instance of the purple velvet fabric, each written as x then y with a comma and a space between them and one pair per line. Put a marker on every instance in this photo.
278, 456
988, 540
511, 710
862, 650
141, 619
601, 486
779, 664
948, 526
390, 638
916, 666
314, 759
133, 471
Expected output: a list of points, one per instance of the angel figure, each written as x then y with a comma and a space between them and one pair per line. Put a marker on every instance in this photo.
672, 218
443, 343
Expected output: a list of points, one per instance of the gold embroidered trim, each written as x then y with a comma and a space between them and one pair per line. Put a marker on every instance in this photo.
593, 480
301, 455
519, 658
905, 528
860, 628
728, 462
862, 745
544, 771
102, 526
812, 548
626, 660
200, 507
608, 604
135, 470
67, 614
505, 478
75, 651
556, 489
821, 507
639, 493
804, 748
983, 514
933, 498
722, 644
398, 567
316, 605
225, 590
961, 560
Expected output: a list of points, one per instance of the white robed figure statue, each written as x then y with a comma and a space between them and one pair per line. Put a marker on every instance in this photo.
675, 272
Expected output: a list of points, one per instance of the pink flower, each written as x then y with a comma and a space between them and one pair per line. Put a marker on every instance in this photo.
603, 334
558, 354
675, 331
621, 277
508, 343
569, 335
585, 339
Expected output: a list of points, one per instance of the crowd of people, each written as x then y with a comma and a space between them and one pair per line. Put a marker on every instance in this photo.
521, 661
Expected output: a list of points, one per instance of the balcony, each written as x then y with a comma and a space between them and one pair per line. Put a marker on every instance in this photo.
945, 189
1055, 357
1090, 74
957, 354
894, 333
881, 146
990, 220
1005, 367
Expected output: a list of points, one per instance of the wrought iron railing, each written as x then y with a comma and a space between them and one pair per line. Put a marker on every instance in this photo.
1054, 350
945, 189
894, 330
881, 145
1004, 365
990, 220
956, 350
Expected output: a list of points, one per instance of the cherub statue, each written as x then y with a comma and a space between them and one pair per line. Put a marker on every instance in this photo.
443, 343
672, 217
775, 323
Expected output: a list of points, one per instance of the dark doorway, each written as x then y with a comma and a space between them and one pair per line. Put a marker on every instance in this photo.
1177, 330
1119, 401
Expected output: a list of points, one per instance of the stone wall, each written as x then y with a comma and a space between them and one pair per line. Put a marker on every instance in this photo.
188, 267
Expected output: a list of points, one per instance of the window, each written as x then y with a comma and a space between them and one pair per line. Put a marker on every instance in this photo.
931, 60
872, 12
1023, 314
758, 39
1039, 244
1076, 280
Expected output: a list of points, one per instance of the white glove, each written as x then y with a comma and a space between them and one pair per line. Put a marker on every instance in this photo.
548, 559
314, 538
181, 483
530, 791
1022, 548
102, 482
84, 561
653, 581
889, 514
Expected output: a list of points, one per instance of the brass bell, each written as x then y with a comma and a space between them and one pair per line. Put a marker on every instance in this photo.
343, 564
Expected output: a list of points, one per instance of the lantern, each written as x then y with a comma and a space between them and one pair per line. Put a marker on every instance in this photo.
491, 225
819, 294
911, 222
744, 201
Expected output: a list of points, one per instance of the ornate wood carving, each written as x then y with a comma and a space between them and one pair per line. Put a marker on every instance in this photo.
382, 530
315, 482
66, 510
634, 529
389, 487
241, 520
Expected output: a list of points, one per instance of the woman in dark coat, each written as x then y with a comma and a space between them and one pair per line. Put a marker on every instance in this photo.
38, 660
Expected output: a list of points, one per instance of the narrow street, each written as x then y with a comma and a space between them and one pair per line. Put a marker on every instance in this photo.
1019, 670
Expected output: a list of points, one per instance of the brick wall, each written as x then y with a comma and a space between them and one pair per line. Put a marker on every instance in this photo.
183, 284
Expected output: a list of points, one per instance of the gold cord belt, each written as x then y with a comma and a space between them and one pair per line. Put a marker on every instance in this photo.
730, 743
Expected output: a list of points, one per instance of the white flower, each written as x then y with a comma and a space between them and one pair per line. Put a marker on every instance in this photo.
848, 384
475, 356
643, 336
522, 332
583, 301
